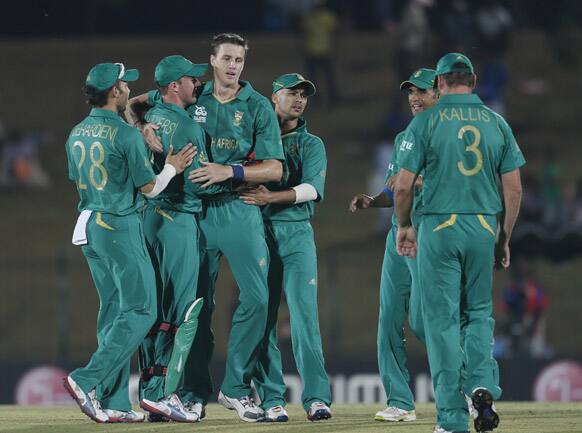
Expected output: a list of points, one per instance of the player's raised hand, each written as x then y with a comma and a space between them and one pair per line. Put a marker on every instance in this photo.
258, 196
152, 140
360, 201
406, 242
502, 255
182, 159
210, 173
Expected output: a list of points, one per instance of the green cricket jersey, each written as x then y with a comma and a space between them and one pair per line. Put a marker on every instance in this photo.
109, 163
305, 162
178, 129
393, 168
241, 129
463, 146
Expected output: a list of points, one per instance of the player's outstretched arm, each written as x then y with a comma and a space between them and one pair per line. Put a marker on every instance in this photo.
511, 183
210, 173
175, 164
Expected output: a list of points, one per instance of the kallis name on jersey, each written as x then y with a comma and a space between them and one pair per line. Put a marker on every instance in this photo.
200, 114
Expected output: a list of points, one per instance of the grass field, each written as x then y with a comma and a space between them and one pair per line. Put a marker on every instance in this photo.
515, 418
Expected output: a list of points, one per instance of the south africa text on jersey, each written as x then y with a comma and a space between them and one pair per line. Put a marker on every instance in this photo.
224, 143
98, 130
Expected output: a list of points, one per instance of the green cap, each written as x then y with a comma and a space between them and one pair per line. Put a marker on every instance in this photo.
423, 79
447, 64
104, 75
288, 81
173, 68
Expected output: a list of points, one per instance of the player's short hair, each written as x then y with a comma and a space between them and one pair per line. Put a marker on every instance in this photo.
95, 97
228, 38
461, 77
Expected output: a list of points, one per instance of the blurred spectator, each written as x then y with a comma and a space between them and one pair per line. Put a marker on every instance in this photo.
319, 31
413, 31
456, 27
491, 85
524, 303
20, 161
494, 24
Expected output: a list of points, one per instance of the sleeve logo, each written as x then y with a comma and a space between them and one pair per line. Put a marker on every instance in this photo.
406, 145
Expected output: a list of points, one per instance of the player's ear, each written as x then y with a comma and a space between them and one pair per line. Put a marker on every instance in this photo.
274, 98
474, 81
212, 60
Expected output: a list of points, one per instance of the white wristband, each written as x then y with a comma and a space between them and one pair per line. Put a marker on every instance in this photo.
304, 192
162, 181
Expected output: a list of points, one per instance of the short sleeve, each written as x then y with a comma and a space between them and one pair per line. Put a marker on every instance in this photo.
411, 151
314, 165
73, 172
140, 168
154, 97
267, 135
511, 158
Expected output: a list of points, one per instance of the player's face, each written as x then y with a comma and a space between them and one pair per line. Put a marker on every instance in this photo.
228, 64
122, 95
186, 88
419, 99
290, 103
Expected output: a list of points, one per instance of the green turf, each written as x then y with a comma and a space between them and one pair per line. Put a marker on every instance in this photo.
515, 418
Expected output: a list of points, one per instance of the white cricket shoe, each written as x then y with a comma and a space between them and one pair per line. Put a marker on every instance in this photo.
318, 411
245, 407
124, 416
394, 414
171, 407
195, 408
276, 414
89, 405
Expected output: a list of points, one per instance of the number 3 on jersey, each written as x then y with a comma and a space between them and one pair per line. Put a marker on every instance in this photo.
96, 164
473, 148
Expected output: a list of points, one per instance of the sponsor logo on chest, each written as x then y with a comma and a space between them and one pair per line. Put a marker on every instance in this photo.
200, 114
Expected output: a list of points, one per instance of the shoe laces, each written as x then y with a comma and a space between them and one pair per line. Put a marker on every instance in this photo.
247, 401
96, 403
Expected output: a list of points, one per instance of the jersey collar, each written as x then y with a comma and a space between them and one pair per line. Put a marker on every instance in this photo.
301, 127
100, 112
243, 95
464, 98
173, 107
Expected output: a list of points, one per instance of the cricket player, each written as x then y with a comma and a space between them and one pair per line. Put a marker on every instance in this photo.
242, 126
109, 165
399, 294
171, 231
463, 148
288, 206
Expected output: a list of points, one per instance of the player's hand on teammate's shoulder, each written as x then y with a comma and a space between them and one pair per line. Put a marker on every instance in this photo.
210, 173
360, 201
182, 159
152, 140
406, 241
257, 196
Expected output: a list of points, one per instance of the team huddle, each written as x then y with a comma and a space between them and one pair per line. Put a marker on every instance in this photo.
172, 180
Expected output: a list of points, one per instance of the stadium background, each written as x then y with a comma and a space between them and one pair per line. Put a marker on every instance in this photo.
49, 304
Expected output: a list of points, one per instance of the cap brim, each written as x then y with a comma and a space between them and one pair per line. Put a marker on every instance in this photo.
423, 85
130, 75
197, 70
310, 87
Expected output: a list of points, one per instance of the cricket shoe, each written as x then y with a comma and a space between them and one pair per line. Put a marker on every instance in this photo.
318, 411
484, 413
170, 407
439, 429
89, 405
394, 414
276, 414
195, 408
124, 416
244, 406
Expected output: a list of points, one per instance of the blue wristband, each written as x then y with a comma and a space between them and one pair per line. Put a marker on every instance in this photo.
238, 172
389, 193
